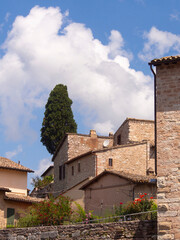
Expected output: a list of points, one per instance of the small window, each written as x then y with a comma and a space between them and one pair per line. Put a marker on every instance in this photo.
79, 167
10, 216
72, 170
60, 172
119, 140
110, 162
64, 171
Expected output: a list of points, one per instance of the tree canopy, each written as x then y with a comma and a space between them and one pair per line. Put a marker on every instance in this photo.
58, 118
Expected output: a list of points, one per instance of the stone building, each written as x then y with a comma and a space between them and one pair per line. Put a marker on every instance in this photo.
81, 157
167, 109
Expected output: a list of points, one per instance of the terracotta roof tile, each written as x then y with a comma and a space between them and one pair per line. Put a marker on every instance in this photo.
129, 176
3, 189
168, 59
9, 164
21, 198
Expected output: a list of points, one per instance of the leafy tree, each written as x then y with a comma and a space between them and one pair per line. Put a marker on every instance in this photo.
58, 118
37, 182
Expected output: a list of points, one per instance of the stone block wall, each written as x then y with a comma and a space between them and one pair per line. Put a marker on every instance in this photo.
87, 169
141, 130
129, 158
79, 144
135, 130
168, 149
73, 146
139, 230
124, 132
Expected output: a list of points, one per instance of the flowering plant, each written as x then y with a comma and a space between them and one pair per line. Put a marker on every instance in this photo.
141, 204
49, 212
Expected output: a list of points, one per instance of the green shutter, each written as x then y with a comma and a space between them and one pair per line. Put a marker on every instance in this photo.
10, 216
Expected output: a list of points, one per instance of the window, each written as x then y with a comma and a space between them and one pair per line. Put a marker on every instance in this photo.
10, 216
119, 140
72, 170
79, 167
60, 172
64, 171
110, 162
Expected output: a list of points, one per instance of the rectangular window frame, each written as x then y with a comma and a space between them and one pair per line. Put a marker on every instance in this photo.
119, 139
79, 167
72, 169
60, 172
110, 162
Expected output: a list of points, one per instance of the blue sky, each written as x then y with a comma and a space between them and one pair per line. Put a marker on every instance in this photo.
99, 49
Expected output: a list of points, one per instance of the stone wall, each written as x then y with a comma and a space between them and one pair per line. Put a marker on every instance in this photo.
168, 149
141, 130
135, 130
122, 230
129, 158
79, 144
72, 146
87, 169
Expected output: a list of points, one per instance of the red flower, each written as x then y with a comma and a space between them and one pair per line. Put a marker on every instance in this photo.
151, 197
145, 194
121, 203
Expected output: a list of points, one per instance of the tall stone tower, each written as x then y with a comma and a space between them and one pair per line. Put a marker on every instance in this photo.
167, 107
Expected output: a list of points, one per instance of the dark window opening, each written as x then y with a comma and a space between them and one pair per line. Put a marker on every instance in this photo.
72, 170
60, 172
10, 216
110, 162
79, 167
64, 171
119, 140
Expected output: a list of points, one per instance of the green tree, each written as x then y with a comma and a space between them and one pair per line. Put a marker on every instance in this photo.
58, 118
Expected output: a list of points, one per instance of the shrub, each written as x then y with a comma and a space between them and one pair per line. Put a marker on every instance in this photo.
81, 216
48, 212
142, 204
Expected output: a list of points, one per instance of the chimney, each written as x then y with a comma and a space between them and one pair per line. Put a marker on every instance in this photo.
93, 133
18, 162
111, 134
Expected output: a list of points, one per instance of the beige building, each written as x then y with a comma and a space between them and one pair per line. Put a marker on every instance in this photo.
167, 99
13, 191
110, 188
81, 157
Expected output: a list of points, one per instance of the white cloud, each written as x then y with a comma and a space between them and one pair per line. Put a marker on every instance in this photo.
43, 165
7, 16
14, 152
159, 43
40, 53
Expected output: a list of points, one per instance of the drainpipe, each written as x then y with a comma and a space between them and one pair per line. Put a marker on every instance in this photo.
155, 117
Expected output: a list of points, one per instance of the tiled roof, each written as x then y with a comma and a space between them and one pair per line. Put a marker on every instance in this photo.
21, 198
168, 59
5, 189
129, 176
9, 164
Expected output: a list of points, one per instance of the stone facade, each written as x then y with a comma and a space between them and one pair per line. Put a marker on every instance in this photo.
130, 158
134, 130
168, 146
72, 146
139, 230
79, 156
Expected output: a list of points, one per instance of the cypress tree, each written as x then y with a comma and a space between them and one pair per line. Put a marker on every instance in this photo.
58, 118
